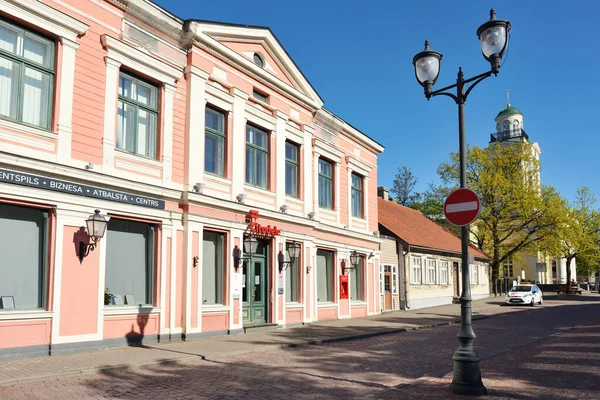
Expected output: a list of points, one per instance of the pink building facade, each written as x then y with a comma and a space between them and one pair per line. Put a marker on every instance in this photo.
187, 134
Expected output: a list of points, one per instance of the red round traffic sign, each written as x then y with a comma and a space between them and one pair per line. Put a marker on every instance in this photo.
461, 207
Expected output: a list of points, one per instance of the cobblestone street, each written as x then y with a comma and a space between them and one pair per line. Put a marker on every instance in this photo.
550, 352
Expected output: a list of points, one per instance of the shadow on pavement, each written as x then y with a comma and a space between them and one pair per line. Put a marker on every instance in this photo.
533, 357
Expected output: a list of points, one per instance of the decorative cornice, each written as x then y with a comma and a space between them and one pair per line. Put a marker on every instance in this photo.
358, 166
140, 60
46, 17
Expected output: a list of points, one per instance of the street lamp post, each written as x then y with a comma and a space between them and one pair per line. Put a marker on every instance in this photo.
494, 39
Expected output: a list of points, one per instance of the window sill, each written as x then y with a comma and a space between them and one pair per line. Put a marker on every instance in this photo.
293, 304
293, 199
138, 158
15, 314
130, 310
215, 177
258, 189
19, 127
214, 308
326, 304
358, 303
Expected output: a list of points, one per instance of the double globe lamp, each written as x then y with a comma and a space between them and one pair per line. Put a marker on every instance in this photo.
493, 36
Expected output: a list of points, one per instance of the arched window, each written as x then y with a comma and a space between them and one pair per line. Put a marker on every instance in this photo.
498, 128
506, 126
516, 127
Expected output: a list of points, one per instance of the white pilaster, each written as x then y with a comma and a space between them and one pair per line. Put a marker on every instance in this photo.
166, 233
307, 175
280, 159
238, 137
338, 167
65, 116
167, 139
200, 255
239, 235
173, 288
314, 178
195, 123
366, 203
110, 114
349, 194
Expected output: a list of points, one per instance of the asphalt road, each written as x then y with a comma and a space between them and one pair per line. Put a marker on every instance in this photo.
545, 352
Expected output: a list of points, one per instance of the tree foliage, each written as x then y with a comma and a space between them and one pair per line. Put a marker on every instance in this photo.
403, 187
517, 212
431, 204
579, 234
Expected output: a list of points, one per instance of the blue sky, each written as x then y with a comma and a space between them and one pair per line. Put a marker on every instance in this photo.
358, 56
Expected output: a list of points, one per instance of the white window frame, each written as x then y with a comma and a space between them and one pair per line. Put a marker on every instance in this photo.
67, 29
121, 54
322, 149
363, 170
444, 276
474, 274
416, 270
431, 267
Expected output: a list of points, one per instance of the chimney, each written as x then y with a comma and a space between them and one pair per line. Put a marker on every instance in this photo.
383, 192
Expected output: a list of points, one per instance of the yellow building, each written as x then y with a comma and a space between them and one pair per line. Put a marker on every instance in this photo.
525, 265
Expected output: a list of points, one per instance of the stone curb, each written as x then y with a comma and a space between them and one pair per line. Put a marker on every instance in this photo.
217, 356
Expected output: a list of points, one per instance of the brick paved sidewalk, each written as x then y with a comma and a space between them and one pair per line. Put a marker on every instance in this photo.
79, 364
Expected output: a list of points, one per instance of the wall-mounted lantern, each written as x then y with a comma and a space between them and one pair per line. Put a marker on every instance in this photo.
354, 261
96, 227
293, 254
250, 247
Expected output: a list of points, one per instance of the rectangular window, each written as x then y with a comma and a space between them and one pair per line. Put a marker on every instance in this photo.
137, 116
356, 281
130, 260
508, 268
259, 96
395, 279
26, 76
291, 169
443, 272
257, 156
213, 250
291, 280
415, 269
325, 184
324, 276
214, 149
431, 271
24, 250
474, 274
357, 195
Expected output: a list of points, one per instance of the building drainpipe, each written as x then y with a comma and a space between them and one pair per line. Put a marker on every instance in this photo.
403, 281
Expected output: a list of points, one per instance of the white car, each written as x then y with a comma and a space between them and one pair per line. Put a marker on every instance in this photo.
525, 294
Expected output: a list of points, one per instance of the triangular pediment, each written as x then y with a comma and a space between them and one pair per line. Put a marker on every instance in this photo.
240, 43
249, 47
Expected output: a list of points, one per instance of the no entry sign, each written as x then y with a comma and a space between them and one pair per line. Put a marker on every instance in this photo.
461, 207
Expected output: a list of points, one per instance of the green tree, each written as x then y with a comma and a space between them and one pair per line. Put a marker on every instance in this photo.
403, 187
431, 204
579, 233
517, 212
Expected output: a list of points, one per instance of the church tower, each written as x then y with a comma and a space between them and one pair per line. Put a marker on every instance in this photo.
524, 265
509, 129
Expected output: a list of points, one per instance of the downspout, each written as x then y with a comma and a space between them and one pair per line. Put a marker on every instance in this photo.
403, 280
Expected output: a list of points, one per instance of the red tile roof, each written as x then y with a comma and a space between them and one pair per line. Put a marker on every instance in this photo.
418, 230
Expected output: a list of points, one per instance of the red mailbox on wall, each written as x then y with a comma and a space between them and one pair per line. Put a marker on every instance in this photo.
343, 286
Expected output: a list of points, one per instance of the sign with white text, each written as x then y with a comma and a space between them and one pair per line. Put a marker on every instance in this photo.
41, 182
